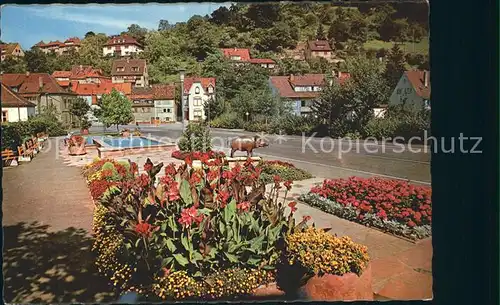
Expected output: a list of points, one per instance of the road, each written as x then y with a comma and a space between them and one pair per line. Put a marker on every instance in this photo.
325, 157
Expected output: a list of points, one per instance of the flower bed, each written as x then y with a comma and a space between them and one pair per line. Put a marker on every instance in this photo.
286, 170
198, 234
197, 155
390, 205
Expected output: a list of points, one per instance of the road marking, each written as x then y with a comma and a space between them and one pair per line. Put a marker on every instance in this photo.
343, 168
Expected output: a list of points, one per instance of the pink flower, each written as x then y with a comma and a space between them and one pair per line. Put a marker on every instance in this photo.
243, 206
288, 184
292, 205
188, 216
143, 229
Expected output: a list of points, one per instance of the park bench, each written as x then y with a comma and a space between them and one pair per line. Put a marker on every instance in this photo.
8, 157
25, 153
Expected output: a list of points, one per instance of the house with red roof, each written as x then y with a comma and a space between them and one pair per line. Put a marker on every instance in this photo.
413, 90
128, 70
42, 90
241, 56
154, 104
121, 45
197, 92
81, 74
60, 48
318, 49
15, 108
301, 90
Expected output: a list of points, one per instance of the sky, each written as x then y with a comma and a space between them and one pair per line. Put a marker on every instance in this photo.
28, 24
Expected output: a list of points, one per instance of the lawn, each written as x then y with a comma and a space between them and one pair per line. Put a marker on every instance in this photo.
421, 47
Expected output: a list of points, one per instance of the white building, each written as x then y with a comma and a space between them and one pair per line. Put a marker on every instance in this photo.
197, 92
123, 45
14, 107
413, 91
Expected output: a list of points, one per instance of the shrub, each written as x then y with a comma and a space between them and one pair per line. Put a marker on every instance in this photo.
255, 126
294, 125
391, 205
320, 253
398, 123
196, 137
228, 120
285, 170
197, 221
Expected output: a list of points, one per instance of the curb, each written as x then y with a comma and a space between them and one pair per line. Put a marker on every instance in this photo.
225, 129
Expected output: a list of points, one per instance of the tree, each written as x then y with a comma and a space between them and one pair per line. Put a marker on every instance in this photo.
395, 66
320, 33
164, 25
220, 16
13, 65
79, 108
339, 30
37, 61
213, 108
116, 109
89, 34
263, 15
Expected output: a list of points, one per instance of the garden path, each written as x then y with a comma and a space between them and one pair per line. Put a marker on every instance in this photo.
47, 217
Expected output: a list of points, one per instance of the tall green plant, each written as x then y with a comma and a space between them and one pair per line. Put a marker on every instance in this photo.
196, 137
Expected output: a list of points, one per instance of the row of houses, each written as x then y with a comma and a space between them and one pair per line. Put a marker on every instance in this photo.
27, 93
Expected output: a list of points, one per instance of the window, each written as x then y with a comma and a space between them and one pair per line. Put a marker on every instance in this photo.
169, 110
120, 69
164, 110
4, 116
197, 113
210, 89
135, 69
197, 101
197, 90
427, 104
235, 57
302, 103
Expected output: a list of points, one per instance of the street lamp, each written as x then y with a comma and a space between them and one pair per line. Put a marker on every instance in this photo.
247, 115
181, 74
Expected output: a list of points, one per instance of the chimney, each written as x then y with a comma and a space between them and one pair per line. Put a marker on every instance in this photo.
426, 79
40, 82
291, 77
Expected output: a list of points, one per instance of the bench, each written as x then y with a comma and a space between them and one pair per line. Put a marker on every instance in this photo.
8, 157
25, 154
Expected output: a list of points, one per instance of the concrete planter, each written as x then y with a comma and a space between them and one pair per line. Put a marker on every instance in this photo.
268, 291
77, 150
348, 287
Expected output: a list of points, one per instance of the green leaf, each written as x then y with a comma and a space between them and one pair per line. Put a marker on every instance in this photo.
171, 246
184, 242
229, 211
213, 252
166, 261
205, 211
137, 242
163, 226
222, 227
254, 261
233, 247
173, 224
181, 259
197, 274
197, 256
185, 192
232, 258
256, 243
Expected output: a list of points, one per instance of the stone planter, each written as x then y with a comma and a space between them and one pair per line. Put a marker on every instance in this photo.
268, 291
348, 287
77, 150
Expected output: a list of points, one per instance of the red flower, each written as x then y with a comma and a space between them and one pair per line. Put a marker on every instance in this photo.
188, 216
288, 184
228, 175
195, 179
148, 167
306, 218
188, 161
292, 205
243, 206
204, 158
170, 170
134, 168
143, 229
212, 175
173, 193
411, 224
196, 155
223, 196
144, 180
277, 179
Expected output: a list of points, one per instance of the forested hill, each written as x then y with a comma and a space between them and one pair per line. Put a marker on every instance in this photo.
268, 30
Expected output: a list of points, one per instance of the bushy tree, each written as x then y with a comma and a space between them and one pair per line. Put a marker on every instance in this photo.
115, 109
196, 137
37, 61
79, 108
395, 65
320, 33
13, 65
